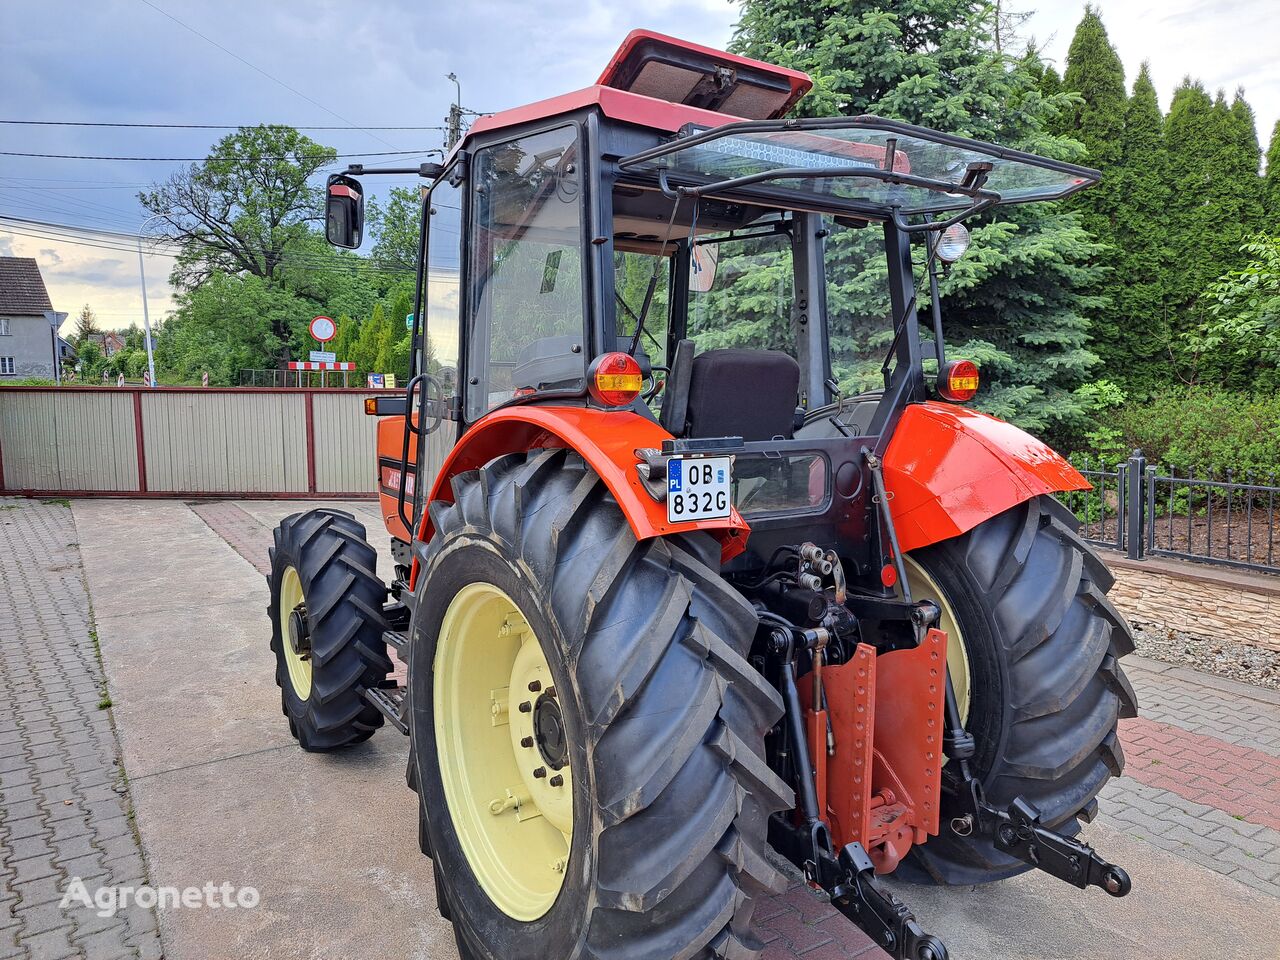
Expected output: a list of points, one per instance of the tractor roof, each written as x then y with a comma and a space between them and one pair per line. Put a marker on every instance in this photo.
726, 113
667, 84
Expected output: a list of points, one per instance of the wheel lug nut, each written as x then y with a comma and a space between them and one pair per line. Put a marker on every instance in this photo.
540, 772
556, 781
535, 686
525, 706
526, 742
551, 692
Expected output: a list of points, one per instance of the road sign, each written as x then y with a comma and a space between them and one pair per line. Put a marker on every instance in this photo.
323, 329
323, 356
408, 321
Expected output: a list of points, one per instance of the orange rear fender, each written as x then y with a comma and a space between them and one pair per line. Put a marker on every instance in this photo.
947, 469
606, 439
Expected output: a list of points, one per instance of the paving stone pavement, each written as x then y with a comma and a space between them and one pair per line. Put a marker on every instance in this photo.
1203, 775
797, 923
64, 810
1202, 772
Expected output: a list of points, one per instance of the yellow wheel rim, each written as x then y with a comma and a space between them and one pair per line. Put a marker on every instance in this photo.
299, 664
924, 587
505, 772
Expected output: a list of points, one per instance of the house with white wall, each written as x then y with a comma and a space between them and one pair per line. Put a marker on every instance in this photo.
28, 325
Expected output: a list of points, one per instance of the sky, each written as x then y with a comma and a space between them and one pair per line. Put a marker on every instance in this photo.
384, 63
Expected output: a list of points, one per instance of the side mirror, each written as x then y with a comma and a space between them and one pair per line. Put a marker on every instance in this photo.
344, 211
702, 267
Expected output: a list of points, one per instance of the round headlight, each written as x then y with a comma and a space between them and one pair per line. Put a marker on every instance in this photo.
953, 243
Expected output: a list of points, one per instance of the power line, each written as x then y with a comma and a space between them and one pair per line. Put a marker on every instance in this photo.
197, 126
296, 156
104, 239
305, 263
255, 67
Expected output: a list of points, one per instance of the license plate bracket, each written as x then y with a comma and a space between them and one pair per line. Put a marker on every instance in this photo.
699, 488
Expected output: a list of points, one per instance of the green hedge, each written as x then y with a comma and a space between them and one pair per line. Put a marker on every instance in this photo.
1210, 431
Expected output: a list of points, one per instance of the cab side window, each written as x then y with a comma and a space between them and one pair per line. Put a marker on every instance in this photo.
527, 321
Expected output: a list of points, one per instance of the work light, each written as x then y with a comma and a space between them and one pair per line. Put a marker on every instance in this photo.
953, 243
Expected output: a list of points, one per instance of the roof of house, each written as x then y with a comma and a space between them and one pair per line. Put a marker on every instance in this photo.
22, 290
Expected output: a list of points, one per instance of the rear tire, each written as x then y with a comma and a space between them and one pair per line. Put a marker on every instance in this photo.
1046, 689
325, 554
665, 720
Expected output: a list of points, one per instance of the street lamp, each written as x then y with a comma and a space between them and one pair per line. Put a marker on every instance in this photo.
146, 317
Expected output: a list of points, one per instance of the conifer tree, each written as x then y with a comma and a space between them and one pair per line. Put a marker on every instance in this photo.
1094, 71
1019, 301
1138, 289
1244, 163
384, 342
344, 340
1215, 192
365, 352
1271, 185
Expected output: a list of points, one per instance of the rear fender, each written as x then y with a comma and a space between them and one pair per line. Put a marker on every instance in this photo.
948, 469
606, 440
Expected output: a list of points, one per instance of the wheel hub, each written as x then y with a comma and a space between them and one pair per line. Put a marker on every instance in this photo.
548, 731
299, 634
295, 636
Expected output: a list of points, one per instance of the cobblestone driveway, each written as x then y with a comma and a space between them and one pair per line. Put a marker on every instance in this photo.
64, 811
1202, 781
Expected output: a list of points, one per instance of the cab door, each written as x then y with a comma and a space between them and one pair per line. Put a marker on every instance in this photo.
435, 354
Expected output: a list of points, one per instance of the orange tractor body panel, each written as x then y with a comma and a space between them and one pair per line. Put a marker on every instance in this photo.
390, 449
948, 469
880, 775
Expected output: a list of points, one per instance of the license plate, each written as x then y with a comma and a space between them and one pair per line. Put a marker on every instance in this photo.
698, 488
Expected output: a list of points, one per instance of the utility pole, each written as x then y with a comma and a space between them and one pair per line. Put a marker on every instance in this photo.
146, 317
453, 132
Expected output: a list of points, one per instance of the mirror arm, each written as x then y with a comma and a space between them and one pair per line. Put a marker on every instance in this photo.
428, 171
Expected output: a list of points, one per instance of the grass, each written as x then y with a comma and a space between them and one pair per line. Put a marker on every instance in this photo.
104, 703
57, 502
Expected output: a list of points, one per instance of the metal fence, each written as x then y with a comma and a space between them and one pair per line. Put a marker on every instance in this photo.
298, 378
186, 441
1146, 510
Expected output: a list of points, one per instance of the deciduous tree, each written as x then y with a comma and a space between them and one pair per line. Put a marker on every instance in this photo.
241, 208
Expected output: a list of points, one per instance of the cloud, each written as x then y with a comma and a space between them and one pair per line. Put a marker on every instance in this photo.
386, 64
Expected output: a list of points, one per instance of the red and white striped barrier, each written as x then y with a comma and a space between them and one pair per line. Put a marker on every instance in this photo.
320, 365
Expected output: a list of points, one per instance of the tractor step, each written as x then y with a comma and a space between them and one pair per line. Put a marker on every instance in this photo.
391, 704
395, 640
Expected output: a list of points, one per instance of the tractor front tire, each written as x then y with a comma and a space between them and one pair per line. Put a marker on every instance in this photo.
1040, 674
326, 628
658, 848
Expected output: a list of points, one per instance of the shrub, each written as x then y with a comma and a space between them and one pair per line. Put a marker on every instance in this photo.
1210, 431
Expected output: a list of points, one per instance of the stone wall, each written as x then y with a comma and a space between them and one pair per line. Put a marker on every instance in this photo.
1204, 601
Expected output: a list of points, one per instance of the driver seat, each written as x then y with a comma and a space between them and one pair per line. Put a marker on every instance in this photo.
752, 394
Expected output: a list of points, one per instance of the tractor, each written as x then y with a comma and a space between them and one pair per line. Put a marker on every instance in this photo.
695, 575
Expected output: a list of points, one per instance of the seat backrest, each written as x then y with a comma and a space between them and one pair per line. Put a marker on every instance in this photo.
675, 395
751, 394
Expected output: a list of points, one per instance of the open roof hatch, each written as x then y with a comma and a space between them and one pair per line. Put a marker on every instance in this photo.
655, 65
884, 169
